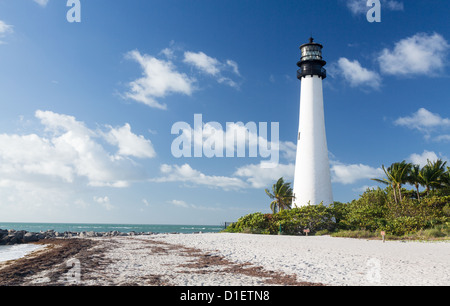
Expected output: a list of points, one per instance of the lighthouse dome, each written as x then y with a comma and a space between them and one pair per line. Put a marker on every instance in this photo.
311, 63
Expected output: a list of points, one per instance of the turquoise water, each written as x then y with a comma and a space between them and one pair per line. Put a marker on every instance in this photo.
124, 228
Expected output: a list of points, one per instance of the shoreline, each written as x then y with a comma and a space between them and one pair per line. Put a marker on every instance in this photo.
223, 259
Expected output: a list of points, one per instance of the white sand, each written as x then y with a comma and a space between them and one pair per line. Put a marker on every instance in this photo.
153, 260
333, 261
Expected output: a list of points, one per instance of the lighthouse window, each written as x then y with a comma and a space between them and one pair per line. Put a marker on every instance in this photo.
311, 52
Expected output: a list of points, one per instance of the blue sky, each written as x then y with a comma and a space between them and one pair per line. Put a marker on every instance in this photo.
87, 107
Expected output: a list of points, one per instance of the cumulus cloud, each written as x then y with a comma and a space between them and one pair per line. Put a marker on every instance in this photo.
356, 75
70, 151
423, 120
248, 176
237, 139
129, 143
254, 176
160, 78
419, 54
32, 155
422, 159
428, 123
349, 174
258, 177
186, 174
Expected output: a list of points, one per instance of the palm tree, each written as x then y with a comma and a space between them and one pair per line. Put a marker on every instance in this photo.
282, 195
396, 175
446, 178
415, 179
432, 174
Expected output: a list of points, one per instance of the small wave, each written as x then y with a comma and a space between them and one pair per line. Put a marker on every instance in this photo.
17, 251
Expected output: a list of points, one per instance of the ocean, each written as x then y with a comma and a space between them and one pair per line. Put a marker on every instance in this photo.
124, 228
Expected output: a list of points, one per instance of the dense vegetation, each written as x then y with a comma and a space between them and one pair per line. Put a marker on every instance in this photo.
396, 210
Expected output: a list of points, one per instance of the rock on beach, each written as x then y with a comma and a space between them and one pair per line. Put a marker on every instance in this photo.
11, 237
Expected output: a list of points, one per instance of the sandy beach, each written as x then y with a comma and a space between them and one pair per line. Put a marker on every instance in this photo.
231, 260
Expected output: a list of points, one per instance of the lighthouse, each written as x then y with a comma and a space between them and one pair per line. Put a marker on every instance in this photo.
312, 179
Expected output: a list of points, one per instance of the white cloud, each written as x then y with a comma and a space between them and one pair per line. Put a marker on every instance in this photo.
203, 62
179, 203
349, 174
187, 174
288, 150
357, 75
443, 138
104, 202
234, 66
4, 29
422, 159
160, 79
32, 155
169, 53
228, 81
130, 144
237, 139
420, 54
42, 3
183, 204
213, 67
394, 5
426, 122
70, 153
358, 7
24, 197
259, 177
364, 188
433, 126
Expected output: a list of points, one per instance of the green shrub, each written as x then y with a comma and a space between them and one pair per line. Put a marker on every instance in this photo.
373, 212
367, 212
433, 233
293, 222
257, 223
446, 210
403, 225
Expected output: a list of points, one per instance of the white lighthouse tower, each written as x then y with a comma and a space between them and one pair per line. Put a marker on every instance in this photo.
312, 181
